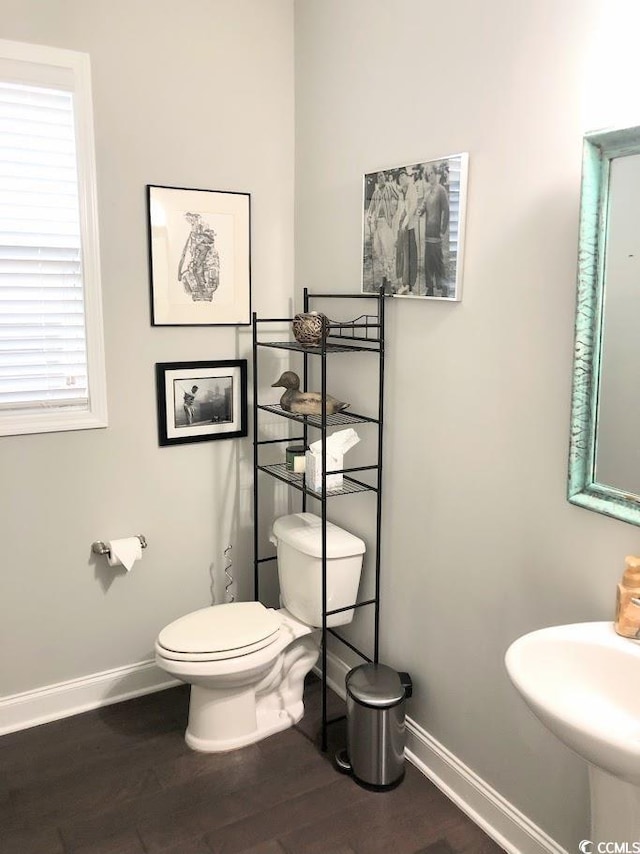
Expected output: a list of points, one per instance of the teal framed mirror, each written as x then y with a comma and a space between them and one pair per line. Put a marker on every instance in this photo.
604, 457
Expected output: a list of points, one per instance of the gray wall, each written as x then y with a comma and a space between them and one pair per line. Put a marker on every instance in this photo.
197, 94
481, 545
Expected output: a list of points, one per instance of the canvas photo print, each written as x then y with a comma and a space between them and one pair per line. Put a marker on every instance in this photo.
413, 229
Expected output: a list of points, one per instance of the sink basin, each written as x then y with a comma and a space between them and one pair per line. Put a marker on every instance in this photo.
583, 682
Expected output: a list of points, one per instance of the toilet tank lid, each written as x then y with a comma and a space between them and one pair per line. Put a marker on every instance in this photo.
303, 531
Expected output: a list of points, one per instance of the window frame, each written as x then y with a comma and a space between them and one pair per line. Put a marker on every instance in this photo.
50, 419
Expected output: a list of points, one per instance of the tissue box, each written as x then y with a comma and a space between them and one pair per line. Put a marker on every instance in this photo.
314, 471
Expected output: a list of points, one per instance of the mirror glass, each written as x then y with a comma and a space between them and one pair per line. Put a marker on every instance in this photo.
617, 461
604, 471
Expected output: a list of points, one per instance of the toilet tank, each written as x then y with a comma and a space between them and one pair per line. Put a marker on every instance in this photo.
298, 538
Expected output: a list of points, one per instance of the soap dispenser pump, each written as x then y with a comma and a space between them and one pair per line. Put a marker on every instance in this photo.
627, 621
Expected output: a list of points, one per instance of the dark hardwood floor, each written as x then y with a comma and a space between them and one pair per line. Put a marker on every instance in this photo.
120, 780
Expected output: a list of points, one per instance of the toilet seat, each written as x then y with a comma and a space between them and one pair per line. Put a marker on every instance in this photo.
219, 632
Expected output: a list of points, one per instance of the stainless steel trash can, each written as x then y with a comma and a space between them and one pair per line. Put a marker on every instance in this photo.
375, 724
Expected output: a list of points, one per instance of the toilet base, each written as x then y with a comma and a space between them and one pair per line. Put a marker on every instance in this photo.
269, 722
232, 713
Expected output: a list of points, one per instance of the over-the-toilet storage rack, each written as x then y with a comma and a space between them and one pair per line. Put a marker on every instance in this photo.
364, 334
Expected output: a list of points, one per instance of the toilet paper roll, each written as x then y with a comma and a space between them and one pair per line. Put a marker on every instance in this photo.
124, 552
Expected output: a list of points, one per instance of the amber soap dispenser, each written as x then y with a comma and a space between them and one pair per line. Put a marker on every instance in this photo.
627, 621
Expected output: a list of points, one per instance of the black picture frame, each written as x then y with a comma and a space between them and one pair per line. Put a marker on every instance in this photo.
201, 401
199, 256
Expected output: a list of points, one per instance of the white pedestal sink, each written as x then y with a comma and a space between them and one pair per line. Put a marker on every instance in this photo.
583, 682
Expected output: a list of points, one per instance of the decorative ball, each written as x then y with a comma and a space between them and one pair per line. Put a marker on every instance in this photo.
307, 328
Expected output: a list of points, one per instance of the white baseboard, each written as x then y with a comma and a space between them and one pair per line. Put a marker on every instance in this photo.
499, 819
52, 702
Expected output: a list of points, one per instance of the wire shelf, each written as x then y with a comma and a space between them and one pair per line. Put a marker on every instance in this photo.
352, 336
281, 472
365, 333
329, 347
337, 420
360, 328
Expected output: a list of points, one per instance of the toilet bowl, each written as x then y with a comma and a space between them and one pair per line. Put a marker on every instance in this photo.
246, 663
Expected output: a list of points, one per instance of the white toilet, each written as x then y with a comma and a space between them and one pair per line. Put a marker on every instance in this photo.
246, 663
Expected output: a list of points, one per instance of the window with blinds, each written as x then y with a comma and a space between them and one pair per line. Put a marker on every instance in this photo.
51, 359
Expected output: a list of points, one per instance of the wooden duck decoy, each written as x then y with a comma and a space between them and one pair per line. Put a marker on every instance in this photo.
304, 402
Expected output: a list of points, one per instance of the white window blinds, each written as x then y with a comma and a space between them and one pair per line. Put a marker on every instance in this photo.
51, 363
43, 357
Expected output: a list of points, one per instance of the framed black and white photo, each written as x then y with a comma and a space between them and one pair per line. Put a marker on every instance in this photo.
201, 401
199, 257
413, 229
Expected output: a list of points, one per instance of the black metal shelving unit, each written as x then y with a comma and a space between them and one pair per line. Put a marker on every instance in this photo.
364, 334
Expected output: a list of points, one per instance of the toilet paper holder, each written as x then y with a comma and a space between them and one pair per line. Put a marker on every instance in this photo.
100, 548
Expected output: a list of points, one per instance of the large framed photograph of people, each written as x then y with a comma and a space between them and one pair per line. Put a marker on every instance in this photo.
199, 257
413, 229
201, 401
